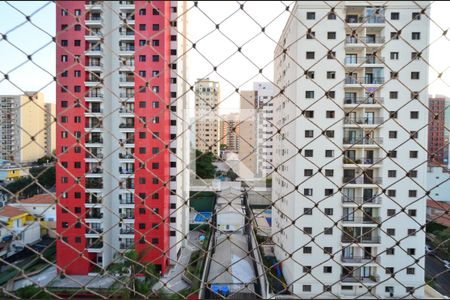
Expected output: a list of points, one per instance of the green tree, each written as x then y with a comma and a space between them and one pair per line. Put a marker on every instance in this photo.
32, 292
45, 159
203, 164
26, 187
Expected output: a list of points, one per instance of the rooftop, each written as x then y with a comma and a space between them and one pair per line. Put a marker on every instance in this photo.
40, 199
9, 211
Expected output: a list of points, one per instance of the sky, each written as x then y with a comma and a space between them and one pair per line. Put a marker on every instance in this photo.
213, 47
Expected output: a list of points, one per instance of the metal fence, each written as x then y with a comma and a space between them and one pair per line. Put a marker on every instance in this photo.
328, 182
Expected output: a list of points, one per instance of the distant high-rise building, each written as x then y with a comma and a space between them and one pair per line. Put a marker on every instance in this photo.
207, 125
121, 181
247, 130
437, 132
229, 132
264, 127
348, 193
50, 128
22, 128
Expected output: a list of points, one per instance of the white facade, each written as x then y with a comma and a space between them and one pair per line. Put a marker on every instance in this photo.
315, 134
438, 183
264, 127
111, 202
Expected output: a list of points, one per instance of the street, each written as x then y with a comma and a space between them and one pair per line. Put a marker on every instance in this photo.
433, 267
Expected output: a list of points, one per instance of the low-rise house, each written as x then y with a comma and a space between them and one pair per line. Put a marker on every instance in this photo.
43, 208
17, 229
438, 212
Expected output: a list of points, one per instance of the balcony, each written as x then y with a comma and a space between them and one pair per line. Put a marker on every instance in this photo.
363, 60
127, 35
94, 97
126, 231
127, 96
93, 5
364, 41
126, 156
360, 259
363, 121
356, 278
361, 200
124, 246
127, 50
126, 201
129, 111
126, 125
365, 80
94, 172
94, 216
126, 81
126, 171
94, 156
93, 66
94, 51
359, 20
363, 101
94, 184
362, 180
366, 220
362, 161
93, 81
94, 21
345, 238
363, 140
127, 141
95, 231
127, 216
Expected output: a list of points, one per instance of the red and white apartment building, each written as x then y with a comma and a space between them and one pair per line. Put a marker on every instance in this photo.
121, 139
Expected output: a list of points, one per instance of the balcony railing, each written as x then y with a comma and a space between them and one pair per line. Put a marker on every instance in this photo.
362, 160
126, 48
367, 19
126, 171
129, 33
95, 246
364, 40
94, 64
126, 231
126, 125
126, 246
126, 110
360, 240
94, 155
94, 230
360, 279
359, 259
126, 156
94, 141
95, 171
127, 216
127, 79
94, 95
363, 140
94, 216
365, 80
126, 95
94, 184
362, 200
364, 120
362, 180
364, 100
361, 220
363, 60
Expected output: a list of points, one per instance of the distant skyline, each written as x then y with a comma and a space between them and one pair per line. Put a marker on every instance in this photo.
235, 71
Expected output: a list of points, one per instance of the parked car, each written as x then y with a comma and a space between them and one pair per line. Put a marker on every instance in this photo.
446, 264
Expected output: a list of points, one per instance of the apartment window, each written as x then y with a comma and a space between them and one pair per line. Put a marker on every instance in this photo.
307, 211
142, 12
142, 27
411, 251
328, 192
64, 12
155, 58
65, 225
416, 16
310, 74
390, 231
308, 172
77, 165
414, 115
64, 43
330, 94
413, 174
155, 166
309, 114
331, 55
306, 288
329, 172
411, 232
415, 55
327, 250
310, 35
391, 193
328, 269
394, 75
306, 269
331, 16
308, 192
389, 270
309, 94
390, 212
142, 58
77, 239
412, 212
308, 153
394, 35
392, 154
415, 35
64, 58
77, 27
142, 150
310, 55
64, 73
331, 75
331, 35
155, 180
395, 16
392, 134
394, 55
330, 114
307, 250
307, 230
390, 251
393, 95
310, 15
328, 211
414, 134
329, 153
412, 193
329, 133
155, 73
77, 43
328, 231
155, 12
392, 173
155, 27
309, 133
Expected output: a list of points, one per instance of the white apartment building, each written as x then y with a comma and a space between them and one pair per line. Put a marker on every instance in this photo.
350, 129
264, 127
207, 125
